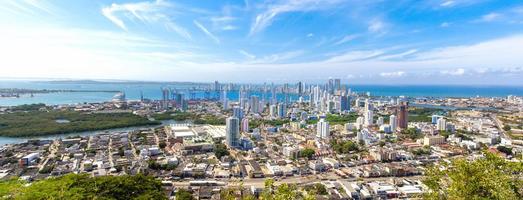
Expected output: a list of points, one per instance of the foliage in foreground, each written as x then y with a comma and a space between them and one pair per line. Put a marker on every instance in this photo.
82, 186
491, 177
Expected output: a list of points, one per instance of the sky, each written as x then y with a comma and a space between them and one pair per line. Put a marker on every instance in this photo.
467, 42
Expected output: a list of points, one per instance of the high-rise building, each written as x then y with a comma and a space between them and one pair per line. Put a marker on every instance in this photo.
216, 86
273, 111
369, 117
322, 129
237, 112
245, 125
393, 123
232, 134
402, 113
282, 110
441, 124
254, 104
380, 121
337, 84
344, 103
435, 119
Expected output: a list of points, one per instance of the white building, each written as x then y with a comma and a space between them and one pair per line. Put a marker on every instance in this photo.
323, 129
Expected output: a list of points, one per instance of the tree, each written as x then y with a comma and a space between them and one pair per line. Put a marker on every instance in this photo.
183, 194
505, 150
162, 145
307, 153
220, 150
506, 128
490, 177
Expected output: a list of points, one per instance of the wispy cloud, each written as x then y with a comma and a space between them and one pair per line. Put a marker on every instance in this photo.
207, 32
346, 39
246, 54
354, 56
489, 17
28, 7
276, 58
445, 24
392, 74
265, 19
145, 12
376, 26
448, 3
456, 72
399, 55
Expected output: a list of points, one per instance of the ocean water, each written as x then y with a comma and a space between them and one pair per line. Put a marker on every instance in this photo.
153, 91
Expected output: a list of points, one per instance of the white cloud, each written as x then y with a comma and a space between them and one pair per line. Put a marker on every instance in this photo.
265, 19
246, 54
354, 56
456, 72
392, 74
490, 17
229, 27
347, 38
276, 58
399, 55
376, 26
145, 12
310, 34
207, 32
448, 3
444, 24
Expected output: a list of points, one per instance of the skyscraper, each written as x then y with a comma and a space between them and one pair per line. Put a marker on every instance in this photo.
393, 123
254, 104
237, 112
245, 125
322, 129
442, 124
402, 113
337, 84
344, 103
282, 110
232, 134
369, 117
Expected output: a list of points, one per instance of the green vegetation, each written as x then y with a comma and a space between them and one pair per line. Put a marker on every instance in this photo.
74, 186
307, 153
177, 116
344, 146
157, 166
183, 194
37, 123
275, 122
209, 119
490, 177
338, 119
220, 150
421, 151
505, 150
283, 192
317, 188
423, 114
506, 128
412, 133
28, 107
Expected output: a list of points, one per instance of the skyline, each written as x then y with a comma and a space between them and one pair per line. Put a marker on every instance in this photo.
375, 42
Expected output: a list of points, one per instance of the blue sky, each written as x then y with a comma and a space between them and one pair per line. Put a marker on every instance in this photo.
369, 42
